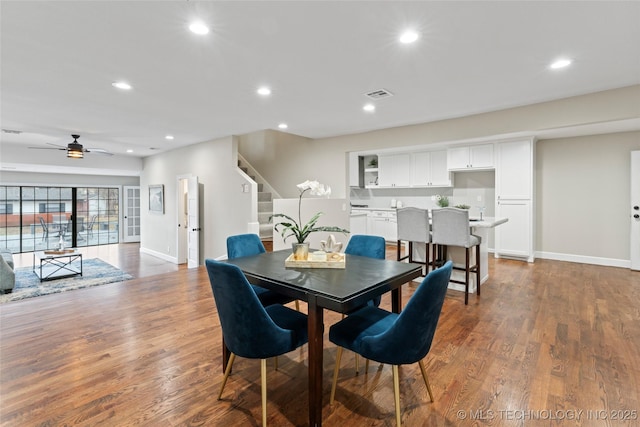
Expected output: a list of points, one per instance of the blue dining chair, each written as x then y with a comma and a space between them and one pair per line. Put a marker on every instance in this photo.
372, 247
369, 246
250, 244
392, 338
249, 329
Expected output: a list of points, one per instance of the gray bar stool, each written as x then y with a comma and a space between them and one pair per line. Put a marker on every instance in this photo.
413, 226
450, 227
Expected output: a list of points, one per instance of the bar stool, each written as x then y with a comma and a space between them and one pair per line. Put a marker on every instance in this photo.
413, 226
450, 227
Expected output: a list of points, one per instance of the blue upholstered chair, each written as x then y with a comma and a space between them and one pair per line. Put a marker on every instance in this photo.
372, 247
250, 244
391, 338
369, 246
249, 329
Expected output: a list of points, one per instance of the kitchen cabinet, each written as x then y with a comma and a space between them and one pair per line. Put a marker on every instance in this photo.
513, 238
429, 169
358, 222
383, 223
514, 174
470, 157
394, 170
515, 193
356, 170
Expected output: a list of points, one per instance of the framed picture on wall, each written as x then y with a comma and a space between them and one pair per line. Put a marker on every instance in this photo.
156, 198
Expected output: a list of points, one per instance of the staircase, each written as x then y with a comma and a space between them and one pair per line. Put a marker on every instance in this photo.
265, 206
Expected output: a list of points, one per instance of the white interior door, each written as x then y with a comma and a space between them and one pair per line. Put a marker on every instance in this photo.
193, 214
635, 210
131, 214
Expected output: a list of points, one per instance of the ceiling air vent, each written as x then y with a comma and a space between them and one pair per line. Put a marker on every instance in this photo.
379, 94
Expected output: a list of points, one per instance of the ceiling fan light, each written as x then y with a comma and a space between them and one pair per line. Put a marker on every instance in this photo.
74, 154
75, 150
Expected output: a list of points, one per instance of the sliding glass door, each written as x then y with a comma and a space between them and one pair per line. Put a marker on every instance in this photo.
38, 218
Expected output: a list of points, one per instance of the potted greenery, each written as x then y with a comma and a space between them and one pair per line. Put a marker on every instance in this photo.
289, 227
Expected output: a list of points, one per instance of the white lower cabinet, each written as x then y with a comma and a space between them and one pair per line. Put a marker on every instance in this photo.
383, 223
514, 238
358, 223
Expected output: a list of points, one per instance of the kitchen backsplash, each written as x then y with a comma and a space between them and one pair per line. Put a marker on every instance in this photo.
469, 188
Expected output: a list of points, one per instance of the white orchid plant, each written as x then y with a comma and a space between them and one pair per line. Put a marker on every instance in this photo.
290, 227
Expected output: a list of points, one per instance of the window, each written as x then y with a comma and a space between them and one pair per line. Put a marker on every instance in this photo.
31, 218
51, 207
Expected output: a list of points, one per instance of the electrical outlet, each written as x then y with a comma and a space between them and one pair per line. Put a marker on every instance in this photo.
479, 198
433, 198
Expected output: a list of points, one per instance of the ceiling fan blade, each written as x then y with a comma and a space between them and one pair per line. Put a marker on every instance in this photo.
98, 151
60, 147
48, 148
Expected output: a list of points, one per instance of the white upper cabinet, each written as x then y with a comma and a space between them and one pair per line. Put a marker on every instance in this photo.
394, 170
470, 157
429, 169
356, 170
514, 173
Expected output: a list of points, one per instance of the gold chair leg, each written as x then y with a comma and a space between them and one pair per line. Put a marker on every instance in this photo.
263, 381
357, 364
396, 394
335, 375
426, 379
276, 362
226, 373
297, 305
366, 365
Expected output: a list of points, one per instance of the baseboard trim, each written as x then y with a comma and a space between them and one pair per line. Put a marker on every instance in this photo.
581, 259
159, 255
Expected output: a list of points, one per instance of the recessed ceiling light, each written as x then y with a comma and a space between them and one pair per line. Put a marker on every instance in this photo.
560, 63
199, 28
121, 85
129, 150
283, 125
264, 91
168, 137
369, 107
408, 37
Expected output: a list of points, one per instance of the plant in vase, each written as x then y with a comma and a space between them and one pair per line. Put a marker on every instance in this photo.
289, 227
442, 201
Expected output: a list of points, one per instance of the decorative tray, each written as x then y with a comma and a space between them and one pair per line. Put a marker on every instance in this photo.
334, 260
59, 252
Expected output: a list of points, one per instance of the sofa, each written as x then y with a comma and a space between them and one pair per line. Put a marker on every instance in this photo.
7, 275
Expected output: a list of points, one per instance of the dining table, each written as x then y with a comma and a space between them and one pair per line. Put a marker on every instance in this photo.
336, 289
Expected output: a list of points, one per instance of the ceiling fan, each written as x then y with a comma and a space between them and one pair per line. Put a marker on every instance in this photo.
74, 149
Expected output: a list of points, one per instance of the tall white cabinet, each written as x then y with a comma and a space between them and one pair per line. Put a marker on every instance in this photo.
515, 192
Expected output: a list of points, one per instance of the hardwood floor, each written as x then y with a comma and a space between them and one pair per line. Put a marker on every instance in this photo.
549, 343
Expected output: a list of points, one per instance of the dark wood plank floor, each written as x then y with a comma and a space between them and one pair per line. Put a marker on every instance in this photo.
549, 343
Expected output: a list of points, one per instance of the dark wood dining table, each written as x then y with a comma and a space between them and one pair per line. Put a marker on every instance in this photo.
335, 289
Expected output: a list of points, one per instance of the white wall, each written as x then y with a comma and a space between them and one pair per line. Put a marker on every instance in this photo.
224, 209
583, 197
65, 180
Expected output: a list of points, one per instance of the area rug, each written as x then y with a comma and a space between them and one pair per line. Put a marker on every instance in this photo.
95, 272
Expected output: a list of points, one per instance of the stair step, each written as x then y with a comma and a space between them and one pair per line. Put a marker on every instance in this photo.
265, 206
264, 197
263, 217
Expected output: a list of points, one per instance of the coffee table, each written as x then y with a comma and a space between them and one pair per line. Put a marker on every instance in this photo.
56, 264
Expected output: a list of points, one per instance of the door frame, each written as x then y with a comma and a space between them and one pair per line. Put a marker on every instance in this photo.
182, 234
634, 253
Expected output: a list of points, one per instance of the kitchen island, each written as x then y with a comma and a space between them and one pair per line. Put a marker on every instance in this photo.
480, 228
